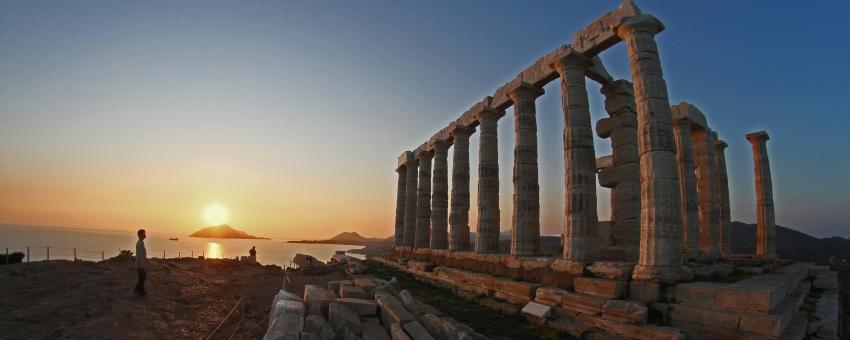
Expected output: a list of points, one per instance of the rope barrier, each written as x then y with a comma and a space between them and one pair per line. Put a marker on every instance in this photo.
225, 319
260, 323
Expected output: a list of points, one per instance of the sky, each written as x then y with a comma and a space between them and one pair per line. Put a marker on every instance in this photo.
291, 114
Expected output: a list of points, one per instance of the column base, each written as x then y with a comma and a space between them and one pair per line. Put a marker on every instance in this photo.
666, 274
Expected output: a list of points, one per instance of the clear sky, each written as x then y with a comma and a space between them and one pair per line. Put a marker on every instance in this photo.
117, 114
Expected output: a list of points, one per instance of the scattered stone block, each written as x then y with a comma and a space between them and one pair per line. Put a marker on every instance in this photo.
397, 333
549, 296
343, 319
352, 292
420, 265
644, 291
317, 325
417, 331
286, 326
537, 310
611, 289
284, 295
316, 300
362, 307
334, 285
392, 311
583, 303
611, 270
368, 286
409, 303
697, 293
569, 326
625, 311
309, 336
374, 331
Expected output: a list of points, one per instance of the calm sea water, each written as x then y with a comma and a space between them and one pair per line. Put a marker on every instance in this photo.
91, 244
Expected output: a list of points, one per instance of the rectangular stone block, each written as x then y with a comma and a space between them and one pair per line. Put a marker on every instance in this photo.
352, 292
392, 311
775, 322
704, 317
632, 331
583, 303
644, 291
537, 310
611, 289
416, 331
625, 311
549, 296
697, 293
360, 306
611, 270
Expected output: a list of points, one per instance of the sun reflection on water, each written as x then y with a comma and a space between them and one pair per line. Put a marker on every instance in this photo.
214, 250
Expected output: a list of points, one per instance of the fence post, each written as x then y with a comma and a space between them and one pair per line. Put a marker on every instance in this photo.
178, 254
203, 253
163, 254
102, 255
7, 255
28, 254
192, 254
48, 253
75, 254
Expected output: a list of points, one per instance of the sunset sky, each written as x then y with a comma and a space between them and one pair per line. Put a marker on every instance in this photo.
291, 114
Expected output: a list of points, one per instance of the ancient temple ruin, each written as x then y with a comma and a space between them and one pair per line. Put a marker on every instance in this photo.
670, 212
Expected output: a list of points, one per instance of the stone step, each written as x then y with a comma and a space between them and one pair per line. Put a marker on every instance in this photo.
605, 288
762, 293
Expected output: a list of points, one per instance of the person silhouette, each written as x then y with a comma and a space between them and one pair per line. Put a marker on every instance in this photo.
253, 251
141, 254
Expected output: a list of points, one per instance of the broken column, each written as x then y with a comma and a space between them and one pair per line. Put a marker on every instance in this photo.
398, 239
459, 216
525, 230
411, 165
488, 181
660, 255
623, 177
709, 212
725, 231
580, 216
440, 195
687, 184
765, 225
422, 237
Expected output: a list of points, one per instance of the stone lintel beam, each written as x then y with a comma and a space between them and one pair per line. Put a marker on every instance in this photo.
468, 118
405, 158
604, 162
601, 34
685, 110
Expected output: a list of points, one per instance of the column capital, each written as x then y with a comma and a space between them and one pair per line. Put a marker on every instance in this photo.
486, 112
457, 129
720, 145
439, 144
424, 153
569, 56
759, 136
683, 122
620, 86
516, 89
405, 159
641, 23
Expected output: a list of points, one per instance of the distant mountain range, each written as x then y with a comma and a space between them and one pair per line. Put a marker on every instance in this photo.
347, 238
792, 244
224, 231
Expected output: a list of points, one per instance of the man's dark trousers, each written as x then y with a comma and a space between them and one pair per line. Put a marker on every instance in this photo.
140, 286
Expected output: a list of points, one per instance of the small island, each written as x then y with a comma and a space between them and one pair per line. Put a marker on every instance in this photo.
347, 238
225, 231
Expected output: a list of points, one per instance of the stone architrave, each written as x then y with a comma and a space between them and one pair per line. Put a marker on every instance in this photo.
660, 255
706, 176
725, 234
422, 237
488, 181
440, 196
624, 176
580, 216
687, 185
525, 230
765, 219
398, 239
459, 216
412, 166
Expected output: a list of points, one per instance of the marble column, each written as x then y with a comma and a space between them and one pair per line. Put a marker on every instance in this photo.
580, 216
687, 185
725, 233
410, 188
709, 212
440, 196
422, 238
525, 226
399, 206
660, 254
624, 176
488, 182
766, 224
459, 216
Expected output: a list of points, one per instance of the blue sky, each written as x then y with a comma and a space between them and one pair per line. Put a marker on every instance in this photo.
260, 103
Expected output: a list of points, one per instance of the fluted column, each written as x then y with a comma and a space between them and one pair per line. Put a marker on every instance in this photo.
399, 206
525, 226
687, 185
709, 212
459, 216
766, 224
488, 182
660, 255
580, 216
423, 204
440, 196
410, 201
725, 234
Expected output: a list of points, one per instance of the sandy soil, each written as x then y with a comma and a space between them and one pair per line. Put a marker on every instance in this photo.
187, 298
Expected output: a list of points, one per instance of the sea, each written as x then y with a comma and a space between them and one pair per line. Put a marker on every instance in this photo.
39, 243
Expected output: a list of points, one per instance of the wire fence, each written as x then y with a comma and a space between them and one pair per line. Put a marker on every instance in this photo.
47, 253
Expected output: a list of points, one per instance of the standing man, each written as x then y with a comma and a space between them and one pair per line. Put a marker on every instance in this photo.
141, 254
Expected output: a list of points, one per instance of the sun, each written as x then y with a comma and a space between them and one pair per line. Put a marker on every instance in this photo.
215, 214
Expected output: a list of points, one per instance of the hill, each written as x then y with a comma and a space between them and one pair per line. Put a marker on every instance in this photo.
224, 231
345, 238
792, 244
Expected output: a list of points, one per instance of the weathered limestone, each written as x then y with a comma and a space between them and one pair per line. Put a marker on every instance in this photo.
401, 192
709, 211
459, 217
440, 196
525, 231
687, 185
661, 222
411, 164
580, 219
488, 181
611, 289
422, 238
623, 177
725, 223
766, 225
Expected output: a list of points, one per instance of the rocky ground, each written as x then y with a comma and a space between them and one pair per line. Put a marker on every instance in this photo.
187, 298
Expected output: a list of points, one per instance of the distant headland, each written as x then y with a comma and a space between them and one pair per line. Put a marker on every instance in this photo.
347, 238
225, 231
